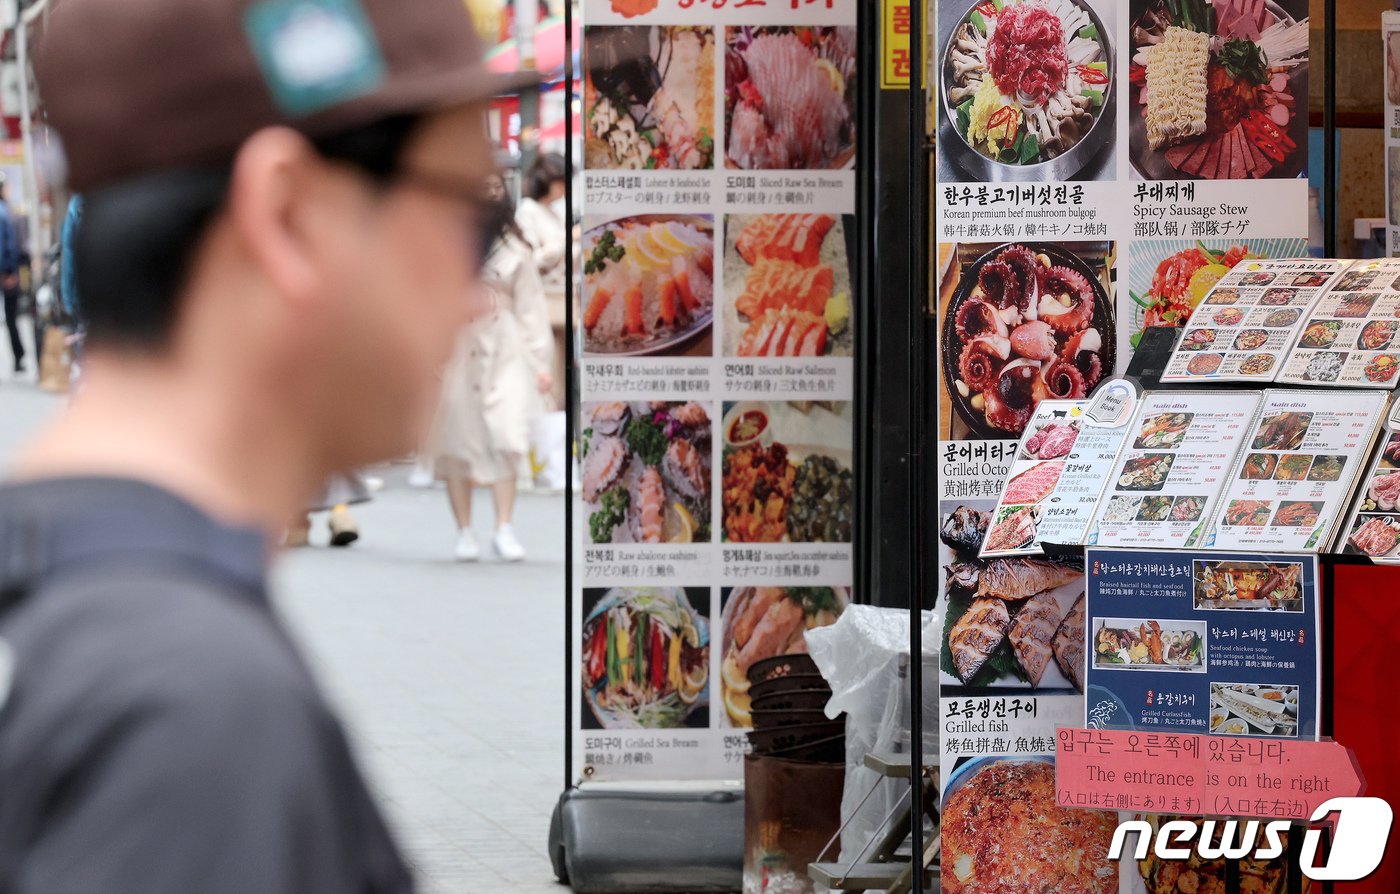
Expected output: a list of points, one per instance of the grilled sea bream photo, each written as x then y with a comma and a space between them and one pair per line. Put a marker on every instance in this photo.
977, 634
1017, 579
1069, 644
1032, 631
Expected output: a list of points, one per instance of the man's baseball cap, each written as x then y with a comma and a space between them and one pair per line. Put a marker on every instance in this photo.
140, 86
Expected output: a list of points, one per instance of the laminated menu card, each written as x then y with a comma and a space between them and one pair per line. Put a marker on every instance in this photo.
1351, 337
1374, 527
1250, 321
1297, 470
1174, 465
1056, 478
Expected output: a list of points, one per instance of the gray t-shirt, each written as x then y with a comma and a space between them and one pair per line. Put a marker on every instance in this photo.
158, 731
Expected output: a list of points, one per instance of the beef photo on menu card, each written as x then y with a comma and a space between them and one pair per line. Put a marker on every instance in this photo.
1374, 528
1027, 90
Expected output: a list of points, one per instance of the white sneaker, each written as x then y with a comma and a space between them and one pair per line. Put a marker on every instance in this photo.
507, 547
420, 477
467, 549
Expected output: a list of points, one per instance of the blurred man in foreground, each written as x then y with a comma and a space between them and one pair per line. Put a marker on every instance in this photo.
281, 205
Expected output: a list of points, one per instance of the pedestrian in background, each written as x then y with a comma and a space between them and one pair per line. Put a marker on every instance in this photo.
279, 205
542, 221
494, 385
9, 275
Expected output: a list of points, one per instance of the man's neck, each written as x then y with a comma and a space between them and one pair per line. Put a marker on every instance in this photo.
227, 453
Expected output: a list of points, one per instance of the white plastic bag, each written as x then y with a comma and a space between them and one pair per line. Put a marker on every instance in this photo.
864, 657
549, 452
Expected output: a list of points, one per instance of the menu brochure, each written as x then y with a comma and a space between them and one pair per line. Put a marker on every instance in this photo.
1164, 487
1250, 320
1057, 477
1373, 528
1349, 338
1297, 470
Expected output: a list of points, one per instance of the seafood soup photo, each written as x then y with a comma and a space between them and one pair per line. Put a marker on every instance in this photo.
789, 101
648, 285
1027, 89
646, 658
650, 97
646, 471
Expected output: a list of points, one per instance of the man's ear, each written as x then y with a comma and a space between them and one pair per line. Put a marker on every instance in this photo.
273, 175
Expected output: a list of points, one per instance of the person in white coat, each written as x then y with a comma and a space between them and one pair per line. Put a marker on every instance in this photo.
542, 222
494, 386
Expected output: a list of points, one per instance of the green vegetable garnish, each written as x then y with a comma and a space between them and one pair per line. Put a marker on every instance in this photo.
1245, 61
964, 116
1095, 96
1030, 148
978, 22
1089, 32
648, 440
607, 249
815, 599
611, 513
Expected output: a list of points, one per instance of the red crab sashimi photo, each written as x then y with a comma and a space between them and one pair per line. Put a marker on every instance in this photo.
1219, 89
1021, 323
1181, 282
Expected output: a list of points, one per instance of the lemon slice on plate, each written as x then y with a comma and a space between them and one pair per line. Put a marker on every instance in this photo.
694, 683
678, 525
838, 83
1203, 280
665, 236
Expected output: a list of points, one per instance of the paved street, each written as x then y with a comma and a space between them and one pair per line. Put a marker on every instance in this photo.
450, 676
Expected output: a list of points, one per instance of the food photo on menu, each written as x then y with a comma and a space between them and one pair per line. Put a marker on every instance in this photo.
649, 97
1020, 323
764, 622
787, 285
1009, 623
1249, 709
1219, 90
1169, 278
646, 658
1349, 338
1248, 586
1027, 90
648, 286
646, 471
789, 101
1200, 875
1056, 478
787, 472
1150, 645
1004, 831
1173, 469
1374, 528
1296, 474
1249, 321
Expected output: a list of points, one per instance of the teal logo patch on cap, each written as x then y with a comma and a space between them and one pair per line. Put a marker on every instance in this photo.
315, 54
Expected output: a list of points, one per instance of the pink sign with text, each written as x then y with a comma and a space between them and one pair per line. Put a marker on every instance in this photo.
1201, 775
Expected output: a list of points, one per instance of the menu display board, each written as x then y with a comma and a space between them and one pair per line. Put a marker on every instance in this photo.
1203, 642
1350, 337
1374, 526
1163, 488
1053, 491
1296, 471
1250, 321
719, 314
